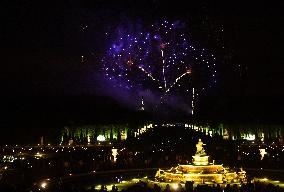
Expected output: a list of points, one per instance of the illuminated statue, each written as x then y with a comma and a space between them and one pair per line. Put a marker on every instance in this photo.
201, 171
199, 148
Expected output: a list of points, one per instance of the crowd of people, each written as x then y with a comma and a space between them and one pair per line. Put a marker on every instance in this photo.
250, 187
187, 187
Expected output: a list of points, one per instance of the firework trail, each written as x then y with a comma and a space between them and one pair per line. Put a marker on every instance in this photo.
159, 57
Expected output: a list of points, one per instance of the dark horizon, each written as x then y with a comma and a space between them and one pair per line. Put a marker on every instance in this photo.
31, 118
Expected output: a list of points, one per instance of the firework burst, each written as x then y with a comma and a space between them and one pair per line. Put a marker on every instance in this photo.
160, 58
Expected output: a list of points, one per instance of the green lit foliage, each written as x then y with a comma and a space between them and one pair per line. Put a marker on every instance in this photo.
80, 134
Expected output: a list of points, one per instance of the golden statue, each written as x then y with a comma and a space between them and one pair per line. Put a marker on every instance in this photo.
200, 171
199, 148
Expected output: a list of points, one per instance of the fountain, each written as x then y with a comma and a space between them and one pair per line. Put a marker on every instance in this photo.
201, 171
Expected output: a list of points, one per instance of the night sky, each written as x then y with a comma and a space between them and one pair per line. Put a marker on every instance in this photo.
45, 85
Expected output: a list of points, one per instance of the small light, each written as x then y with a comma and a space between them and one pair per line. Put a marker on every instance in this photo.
175, 186
43, 185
